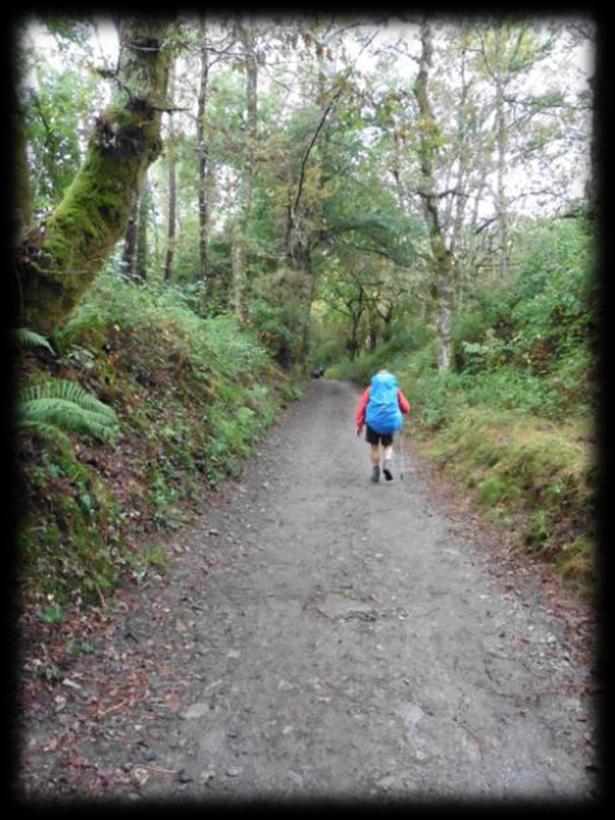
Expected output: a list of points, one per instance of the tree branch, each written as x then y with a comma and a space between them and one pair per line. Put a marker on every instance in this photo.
311, 145
485, 225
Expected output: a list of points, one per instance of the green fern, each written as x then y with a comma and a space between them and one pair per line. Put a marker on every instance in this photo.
57, 406
27, 338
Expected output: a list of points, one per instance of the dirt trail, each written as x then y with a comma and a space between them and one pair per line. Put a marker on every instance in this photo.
328, 637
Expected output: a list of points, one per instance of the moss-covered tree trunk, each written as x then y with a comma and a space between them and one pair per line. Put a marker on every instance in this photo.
247, 37
204, 165
502, 139
57, 262
442, 260
172, 177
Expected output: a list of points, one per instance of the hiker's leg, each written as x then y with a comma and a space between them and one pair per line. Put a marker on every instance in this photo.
374, 451
374, 457
387, 446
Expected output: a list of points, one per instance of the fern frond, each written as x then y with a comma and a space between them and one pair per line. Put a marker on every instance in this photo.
65, 406
44, 429
68, 391
27, 338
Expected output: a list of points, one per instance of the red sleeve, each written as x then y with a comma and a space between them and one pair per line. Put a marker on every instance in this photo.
404, 404
360, 412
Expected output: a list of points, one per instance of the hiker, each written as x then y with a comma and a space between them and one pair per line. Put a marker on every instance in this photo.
380, 408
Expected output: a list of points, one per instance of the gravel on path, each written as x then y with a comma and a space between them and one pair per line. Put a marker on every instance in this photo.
326, 637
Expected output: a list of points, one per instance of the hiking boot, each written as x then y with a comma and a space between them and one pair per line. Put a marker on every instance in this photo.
375, 474
386, 469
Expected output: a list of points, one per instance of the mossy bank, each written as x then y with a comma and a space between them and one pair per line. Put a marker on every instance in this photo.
532, 477
512, 420
191, 397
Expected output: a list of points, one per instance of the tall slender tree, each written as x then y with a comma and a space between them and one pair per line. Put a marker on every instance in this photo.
141, 258
172, 172
247, 37
130, 240
202, 153
441, 257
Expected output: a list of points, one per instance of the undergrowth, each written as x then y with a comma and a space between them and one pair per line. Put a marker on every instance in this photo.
513, 420
531, 471
188, 397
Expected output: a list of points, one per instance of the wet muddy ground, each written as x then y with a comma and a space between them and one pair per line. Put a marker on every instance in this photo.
324, 637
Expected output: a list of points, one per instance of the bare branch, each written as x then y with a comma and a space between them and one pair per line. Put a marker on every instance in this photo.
293, 209
485, 225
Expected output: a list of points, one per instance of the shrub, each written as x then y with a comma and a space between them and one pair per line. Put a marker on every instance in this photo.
192, 395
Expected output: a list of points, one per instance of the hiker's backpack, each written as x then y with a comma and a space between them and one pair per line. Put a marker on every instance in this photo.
383, 414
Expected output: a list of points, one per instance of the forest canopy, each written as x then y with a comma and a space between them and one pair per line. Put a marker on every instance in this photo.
355, 167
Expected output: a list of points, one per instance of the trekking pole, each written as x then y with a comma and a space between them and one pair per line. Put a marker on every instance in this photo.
402, 453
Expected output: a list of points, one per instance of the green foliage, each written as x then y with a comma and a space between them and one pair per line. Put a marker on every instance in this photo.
276, 326
53, 407
76, 647
278, 315
67, 535
528, 343
27, 339
157, 557
539, 473
51, 614
67, 30
435, 398
512, 422
192, 395
56, 108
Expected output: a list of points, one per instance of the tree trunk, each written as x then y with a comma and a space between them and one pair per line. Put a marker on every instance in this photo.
240, 241
172, 215
352, 347
141, 258
467, 143
387, 332
356, 308
21, 171
325, 143
296, 240
58, 263
130, 241
203, 162
396, 170
443, 271
306, 315
444, 315
593, 189
372, 334
501, 129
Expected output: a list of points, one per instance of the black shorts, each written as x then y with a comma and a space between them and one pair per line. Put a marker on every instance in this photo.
371, 436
